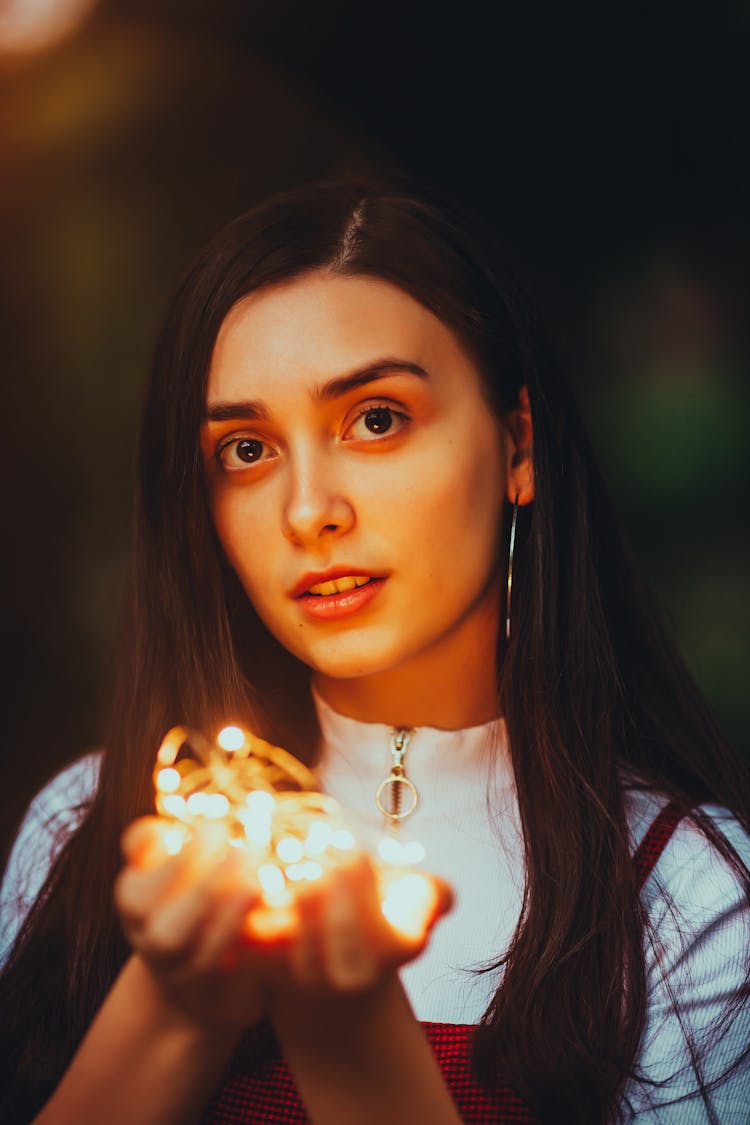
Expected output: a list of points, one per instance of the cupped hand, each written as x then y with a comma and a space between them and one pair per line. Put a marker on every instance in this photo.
342, 941
198, 920
185, 914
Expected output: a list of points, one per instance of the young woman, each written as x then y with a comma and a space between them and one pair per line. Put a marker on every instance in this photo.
366, 506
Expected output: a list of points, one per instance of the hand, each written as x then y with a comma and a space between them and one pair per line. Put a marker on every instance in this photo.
185, 916
342, 941
198, 921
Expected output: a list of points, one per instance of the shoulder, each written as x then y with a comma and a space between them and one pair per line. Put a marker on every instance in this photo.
694, 896
697, 954
60, 804
691, 871
52, 817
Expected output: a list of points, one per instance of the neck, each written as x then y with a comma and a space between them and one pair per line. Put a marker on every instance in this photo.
451, 686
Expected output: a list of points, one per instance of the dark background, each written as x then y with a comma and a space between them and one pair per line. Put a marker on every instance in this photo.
608, 145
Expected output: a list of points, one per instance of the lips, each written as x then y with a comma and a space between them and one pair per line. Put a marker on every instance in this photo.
336, 594
336, 607
336, 580
338, 585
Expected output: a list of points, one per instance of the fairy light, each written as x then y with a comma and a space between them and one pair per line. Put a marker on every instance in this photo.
407, 899
265, 803
231, 738
400, 854
342, 840
290, 850
174, 838
273, 882
175, 805
168, 780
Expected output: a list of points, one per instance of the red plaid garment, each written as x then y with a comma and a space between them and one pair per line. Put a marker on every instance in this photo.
266, 1095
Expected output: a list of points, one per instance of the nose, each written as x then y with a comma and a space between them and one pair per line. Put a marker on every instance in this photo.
317, 507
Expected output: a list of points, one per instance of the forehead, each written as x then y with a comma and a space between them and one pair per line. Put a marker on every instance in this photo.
319, 326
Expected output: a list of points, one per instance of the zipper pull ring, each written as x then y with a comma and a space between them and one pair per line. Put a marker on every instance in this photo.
397, 796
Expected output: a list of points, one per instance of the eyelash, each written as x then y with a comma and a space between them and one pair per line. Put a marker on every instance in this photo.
365, 409
232, 443
370, 407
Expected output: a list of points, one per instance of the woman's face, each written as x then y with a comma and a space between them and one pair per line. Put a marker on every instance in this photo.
347, 441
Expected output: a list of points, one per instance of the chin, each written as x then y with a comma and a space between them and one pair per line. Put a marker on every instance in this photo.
346, 667
349, 658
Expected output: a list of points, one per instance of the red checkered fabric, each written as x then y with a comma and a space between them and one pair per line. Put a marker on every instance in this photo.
266, 1095
655, 840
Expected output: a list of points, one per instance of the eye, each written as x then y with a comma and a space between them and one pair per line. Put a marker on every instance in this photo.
241, 452
376, 420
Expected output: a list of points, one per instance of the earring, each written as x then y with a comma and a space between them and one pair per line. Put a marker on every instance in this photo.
511, 550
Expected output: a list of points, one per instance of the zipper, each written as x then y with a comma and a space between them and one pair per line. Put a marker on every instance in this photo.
397, 796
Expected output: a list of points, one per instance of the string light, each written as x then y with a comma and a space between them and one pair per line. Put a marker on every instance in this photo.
267, 804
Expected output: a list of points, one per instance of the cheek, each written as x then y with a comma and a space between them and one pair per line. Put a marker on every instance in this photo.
243, 538
461, 510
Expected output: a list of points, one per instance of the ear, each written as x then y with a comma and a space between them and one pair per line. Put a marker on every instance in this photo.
520, 448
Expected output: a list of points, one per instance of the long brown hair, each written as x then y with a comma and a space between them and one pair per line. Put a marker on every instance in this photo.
591, 688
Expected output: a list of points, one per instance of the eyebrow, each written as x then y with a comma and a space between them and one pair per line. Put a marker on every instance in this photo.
325, 392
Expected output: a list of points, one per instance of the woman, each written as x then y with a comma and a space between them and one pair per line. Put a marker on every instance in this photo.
347, 391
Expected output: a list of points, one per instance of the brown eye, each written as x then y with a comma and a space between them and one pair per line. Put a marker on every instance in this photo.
242, 452
249, 450
378, 420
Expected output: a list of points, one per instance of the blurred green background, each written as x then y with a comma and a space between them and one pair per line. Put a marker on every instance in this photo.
608, 145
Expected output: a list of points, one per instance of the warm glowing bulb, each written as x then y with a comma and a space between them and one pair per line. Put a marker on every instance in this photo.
217, 806
318, 837
175, 805
391, 850
196, 804
414, 852
342, 840
269, 924
168, 780
173, 840
260, 801
289, 849
273, 884
408, 904
257, 827
231, 738
400, 855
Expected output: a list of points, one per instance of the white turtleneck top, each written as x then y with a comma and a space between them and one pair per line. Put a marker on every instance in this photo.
454, 773
467, 821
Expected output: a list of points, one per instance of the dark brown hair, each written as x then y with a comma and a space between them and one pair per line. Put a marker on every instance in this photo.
591, 688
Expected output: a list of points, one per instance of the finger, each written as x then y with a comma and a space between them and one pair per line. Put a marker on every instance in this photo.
412, 901
143, 842
349, 956
138, 892
150, 840
445, 898
177, 927
224, 934
306, 962
142, 892
364, 885
162, 873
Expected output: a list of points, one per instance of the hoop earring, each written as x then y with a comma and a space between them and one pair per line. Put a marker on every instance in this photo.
511, 551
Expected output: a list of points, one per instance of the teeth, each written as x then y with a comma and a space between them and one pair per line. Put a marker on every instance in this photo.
339, 585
